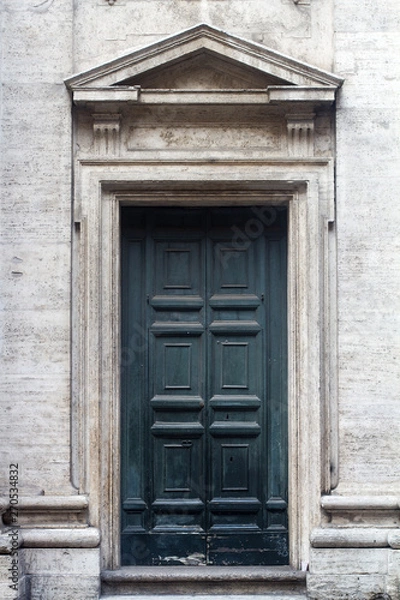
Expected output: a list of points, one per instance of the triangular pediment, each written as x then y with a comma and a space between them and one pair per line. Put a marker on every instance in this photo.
205, 58
204, 70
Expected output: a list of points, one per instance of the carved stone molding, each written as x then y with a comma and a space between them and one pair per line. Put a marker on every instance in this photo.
49, 511
88, 537
360, 503
300, 134
368, 511
354, 537
106, 131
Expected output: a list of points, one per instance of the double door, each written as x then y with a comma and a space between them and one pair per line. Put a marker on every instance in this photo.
203, 374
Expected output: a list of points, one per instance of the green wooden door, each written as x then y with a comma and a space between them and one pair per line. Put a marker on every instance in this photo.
204, 400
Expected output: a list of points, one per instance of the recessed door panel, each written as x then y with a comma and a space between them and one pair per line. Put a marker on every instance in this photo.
204, 417
177, 364
177, 267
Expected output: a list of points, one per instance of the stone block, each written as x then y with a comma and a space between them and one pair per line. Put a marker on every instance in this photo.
5, 566
71, 587
345, 587
393, 585
26, 270
48, 561
5, 543
37, 343
6, 593
348, 561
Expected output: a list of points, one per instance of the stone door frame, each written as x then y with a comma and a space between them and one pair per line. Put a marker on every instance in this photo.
306, 187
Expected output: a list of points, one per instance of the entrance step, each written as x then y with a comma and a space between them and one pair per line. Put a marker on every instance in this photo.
208, 597
268, 583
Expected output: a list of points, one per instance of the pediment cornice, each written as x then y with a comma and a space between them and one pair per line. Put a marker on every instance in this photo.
119, 80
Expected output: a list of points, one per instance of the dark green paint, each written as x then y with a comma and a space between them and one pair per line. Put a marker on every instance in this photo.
204, 386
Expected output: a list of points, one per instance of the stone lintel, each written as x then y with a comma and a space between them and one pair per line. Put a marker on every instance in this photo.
273, 94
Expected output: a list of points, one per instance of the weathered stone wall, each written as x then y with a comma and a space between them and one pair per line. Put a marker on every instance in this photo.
366, 55
367, 49
36, 243
303, 30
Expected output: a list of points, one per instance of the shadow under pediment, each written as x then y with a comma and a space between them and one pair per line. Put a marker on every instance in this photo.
204, 70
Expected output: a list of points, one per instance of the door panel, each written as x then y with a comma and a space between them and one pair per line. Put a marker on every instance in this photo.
204, 417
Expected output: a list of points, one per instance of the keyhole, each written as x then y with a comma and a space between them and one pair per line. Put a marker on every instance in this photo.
231, 459
227, 416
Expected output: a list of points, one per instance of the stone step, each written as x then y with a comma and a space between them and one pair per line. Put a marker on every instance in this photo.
185, 583
272, 596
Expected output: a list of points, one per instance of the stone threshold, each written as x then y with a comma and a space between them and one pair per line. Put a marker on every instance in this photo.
273, 596
203, 580
202, 573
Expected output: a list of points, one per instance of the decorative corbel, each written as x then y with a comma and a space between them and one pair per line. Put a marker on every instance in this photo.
300, 134
106, 131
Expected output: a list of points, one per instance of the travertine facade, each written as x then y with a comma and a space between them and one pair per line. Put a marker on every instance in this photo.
265, 102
